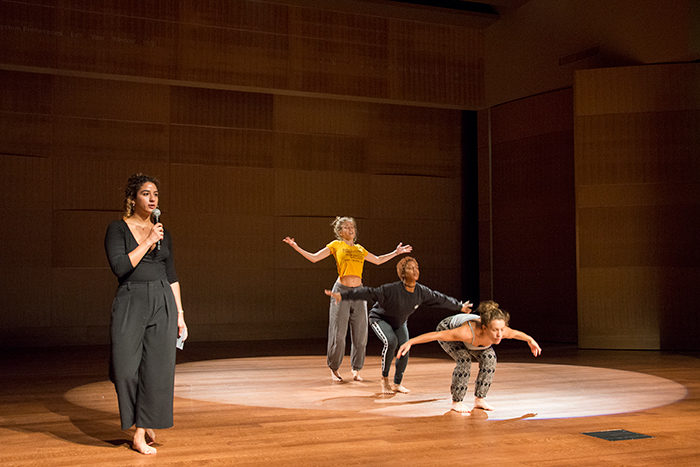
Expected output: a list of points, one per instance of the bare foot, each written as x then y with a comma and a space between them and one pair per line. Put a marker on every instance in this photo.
386, 386
480, 403
400, 388
459, 407
356, 375
336, 376
140, 444
150, 436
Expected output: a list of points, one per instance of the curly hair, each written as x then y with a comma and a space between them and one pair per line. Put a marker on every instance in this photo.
489, 311
133, 185
401, 266
338, 226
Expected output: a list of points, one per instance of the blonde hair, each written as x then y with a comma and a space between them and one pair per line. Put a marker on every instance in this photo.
338, 226
488, 311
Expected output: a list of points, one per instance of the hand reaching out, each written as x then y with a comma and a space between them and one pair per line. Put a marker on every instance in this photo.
401, 249
335, 295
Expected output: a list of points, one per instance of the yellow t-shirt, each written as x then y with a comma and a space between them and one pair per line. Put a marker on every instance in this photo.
349, 259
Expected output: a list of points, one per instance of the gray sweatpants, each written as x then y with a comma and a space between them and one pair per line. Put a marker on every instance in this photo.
143, 334
354, 313
463, 356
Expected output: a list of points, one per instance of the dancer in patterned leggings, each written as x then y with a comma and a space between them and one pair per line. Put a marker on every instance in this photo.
393, 304
467, 336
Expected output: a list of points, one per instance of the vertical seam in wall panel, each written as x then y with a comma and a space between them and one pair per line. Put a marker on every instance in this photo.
490, 205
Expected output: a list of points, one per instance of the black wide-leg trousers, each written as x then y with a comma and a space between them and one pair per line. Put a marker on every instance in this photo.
143, 335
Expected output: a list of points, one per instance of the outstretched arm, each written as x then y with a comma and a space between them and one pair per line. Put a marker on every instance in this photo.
400, 249
313, 257
521, 336
462, 333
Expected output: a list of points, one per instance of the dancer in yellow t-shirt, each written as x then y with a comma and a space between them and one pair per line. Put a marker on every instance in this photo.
350, 258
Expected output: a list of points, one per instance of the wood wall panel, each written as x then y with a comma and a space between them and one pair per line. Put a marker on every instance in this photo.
325, 116
529, 193
436, 244
26, 183
229, 56
26, 92
164, 10
254, 45
76, 247
442, 62
111, 100
522, 120
527, 222
265, 17
637, 178
415, 141
109, 43
619, 307
26, 134
210, 189
432, 246
24, 302
650, 194
99, 185
639, 148
639, 236
81, 297
110, 140
26, 237
222, 146
299, 295
222, 240
227, 295
311, 193
402, 197
229, 109
638, 89
28, 32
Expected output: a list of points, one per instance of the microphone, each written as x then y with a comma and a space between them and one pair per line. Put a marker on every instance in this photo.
156, 219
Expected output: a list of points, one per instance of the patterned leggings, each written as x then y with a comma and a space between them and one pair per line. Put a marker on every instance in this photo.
463, 356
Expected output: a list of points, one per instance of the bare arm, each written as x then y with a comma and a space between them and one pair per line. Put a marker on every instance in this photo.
521, 336
138, 253
325, 252
181, 326
462, 333
400, 249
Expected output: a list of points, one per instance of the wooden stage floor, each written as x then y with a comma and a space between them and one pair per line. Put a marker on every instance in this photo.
246, 404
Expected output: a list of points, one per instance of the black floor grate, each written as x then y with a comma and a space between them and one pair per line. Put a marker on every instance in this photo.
616, 435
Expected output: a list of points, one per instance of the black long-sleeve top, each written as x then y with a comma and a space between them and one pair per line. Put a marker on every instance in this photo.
394, 304
156, 264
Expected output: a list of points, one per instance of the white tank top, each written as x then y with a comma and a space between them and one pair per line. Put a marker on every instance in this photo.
461, 318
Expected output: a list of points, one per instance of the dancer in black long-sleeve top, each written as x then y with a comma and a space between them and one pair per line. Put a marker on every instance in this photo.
394, 303
147, 315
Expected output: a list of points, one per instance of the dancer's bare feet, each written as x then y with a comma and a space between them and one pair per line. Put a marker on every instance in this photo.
480, 403
336, 376
140, 443
386, 386
150, 436
400, 388
356, 375
459, 407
